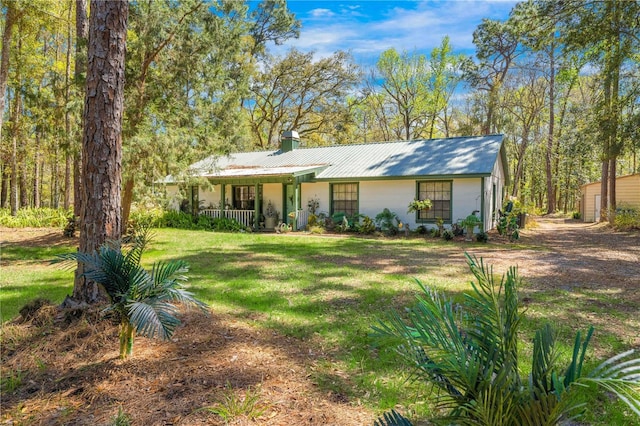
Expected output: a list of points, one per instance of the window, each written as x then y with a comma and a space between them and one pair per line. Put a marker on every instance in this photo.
344, 198
243, 197
439, 192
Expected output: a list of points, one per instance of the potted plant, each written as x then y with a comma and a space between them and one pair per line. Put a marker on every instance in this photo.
469, 223
270, 216
419, 205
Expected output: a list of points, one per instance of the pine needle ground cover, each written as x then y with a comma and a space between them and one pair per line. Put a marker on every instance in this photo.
291, 326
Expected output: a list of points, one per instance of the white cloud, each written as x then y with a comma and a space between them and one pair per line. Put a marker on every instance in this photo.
321, 13
367, 29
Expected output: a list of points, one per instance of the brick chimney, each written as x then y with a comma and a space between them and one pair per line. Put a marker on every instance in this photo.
290, 141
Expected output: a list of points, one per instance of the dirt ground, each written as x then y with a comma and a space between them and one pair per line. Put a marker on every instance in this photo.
573, 258
75, 378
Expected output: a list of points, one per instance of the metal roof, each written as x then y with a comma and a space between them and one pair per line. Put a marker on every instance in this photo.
458, 156
261, 171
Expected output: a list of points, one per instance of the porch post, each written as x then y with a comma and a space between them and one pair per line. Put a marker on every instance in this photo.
222, 199
256, 207
296, 195
195, 200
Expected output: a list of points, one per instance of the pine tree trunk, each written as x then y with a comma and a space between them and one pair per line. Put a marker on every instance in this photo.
17, 106
68, 156
604, 191
66, 204
24, 192
36, 171
612, 190
55, 199
127, 198
4, 186
551, 196
79, 73
102, 135
13, 192
9, 22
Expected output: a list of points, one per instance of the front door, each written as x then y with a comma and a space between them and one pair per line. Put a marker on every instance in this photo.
596, 217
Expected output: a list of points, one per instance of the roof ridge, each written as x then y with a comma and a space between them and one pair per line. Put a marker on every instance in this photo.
390, 142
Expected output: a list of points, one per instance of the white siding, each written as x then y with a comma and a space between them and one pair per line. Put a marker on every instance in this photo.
173, 197
467, 197
397, 194
272, 192
374, 196
209, 197
491, 206
319, 190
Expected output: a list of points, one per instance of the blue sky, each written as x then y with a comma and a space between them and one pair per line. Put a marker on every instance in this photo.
366, 28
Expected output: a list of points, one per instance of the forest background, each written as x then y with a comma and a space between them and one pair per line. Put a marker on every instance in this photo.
559, 80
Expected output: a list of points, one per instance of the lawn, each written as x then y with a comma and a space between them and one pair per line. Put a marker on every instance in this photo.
325, 291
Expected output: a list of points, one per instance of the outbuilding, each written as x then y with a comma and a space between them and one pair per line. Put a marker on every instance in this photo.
627, 195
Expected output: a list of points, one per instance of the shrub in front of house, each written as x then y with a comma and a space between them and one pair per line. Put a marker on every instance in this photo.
150, 217
176, 219
387, 221
365, 225
627, 218
156, 218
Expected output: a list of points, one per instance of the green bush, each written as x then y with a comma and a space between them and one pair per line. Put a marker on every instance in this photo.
365, 226
204, 222
627, 219
469, 352
312, 221
226, 224
157, 218
153, 218
482, 237
35, 218
179, 220
388, 222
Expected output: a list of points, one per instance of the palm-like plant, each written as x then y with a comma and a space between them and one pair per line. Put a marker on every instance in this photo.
143, 300
469, 352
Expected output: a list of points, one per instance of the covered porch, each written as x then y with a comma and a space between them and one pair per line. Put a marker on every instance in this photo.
246, 218
260, 198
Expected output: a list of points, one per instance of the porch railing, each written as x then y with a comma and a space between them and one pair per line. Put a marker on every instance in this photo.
303, 219
244, 217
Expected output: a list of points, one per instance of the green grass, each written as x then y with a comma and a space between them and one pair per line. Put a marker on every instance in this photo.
25, 275
326, 291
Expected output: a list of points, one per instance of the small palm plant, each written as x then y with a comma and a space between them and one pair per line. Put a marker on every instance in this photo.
143, 300
469, 352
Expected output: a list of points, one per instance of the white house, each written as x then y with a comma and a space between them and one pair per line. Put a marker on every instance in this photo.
459, 175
